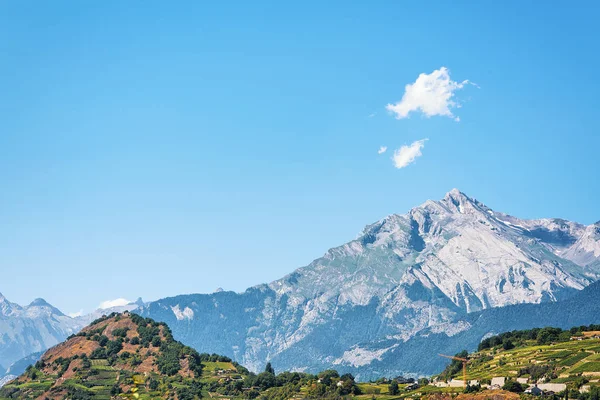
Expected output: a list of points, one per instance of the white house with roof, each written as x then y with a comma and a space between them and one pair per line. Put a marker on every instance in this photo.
498, 381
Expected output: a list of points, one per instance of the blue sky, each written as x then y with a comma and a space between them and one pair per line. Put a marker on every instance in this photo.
152, 149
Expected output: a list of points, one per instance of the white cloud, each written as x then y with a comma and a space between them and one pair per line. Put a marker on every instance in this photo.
406, 155
382, 150
372, 115
431, 94
113, 303
76, 314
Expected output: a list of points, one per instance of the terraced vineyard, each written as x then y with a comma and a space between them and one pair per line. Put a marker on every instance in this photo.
564, 359
571, 360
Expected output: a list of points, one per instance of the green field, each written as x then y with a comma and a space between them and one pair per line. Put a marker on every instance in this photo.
213, 366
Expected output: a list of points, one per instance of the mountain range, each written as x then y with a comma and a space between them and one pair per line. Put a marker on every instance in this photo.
29, 330
421, 270
416, 278
418, 356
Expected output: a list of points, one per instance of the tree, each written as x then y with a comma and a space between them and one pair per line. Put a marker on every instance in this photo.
595, 393
316, 391
98, 353
472, 388
269, 368
265, 380
115, 390
113, 347
327, 375
347, 387
507, 344
347, 377
153, 384
548, 335
513, 386
393, 388
103, 340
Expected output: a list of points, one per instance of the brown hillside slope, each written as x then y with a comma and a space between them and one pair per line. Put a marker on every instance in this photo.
118, 354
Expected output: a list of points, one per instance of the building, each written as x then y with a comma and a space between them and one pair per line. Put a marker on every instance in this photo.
584, 389
456, 383
498, 381
534, 390
553, 387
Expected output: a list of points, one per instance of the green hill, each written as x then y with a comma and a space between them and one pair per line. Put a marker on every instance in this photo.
128, 356
546, 355
122, 355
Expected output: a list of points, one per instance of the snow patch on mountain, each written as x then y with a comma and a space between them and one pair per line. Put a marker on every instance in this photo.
586, 249
451, 329
5, 379
187, 313
358, 357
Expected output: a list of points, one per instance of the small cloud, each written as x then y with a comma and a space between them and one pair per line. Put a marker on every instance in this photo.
113, 303
430, 94
76, 314
382, 150
372, 115
406, 155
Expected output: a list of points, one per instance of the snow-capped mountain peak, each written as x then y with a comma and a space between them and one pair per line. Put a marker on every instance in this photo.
457, 201
7, 308
29, 329
402, 274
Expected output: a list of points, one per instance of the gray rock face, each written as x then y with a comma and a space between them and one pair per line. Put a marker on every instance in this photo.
418, 356
406, 282
30, 329
7, 378
19, 366
25, 330
402, 275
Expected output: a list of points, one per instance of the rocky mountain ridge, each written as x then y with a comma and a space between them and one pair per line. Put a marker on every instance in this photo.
424, 271
402, 274
25, 330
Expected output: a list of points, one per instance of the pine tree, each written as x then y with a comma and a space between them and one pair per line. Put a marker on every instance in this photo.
269, 368
393, 388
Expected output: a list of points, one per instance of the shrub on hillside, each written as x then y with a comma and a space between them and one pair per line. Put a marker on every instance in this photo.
513, 386
393, 388
120, 332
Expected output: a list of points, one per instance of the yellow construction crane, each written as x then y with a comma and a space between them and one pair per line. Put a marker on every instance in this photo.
464, 363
